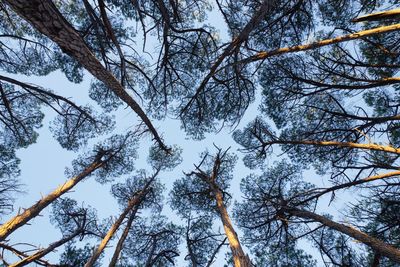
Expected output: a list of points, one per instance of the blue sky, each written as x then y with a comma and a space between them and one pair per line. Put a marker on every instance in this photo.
43, 164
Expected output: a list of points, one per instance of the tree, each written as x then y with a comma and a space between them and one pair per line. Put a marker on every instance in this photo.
205, 190
324, 72
152, 242
202, 242
279, 210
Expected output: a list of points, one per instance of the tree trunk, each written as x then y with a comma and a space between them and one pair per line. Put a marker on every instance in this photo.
297, 48
45, 17
134, 202
240, 259
121, 241
14, 223
375, 244
372, 146
324, 191
236, 42
22, 254
41, 253
389, 14
131, 204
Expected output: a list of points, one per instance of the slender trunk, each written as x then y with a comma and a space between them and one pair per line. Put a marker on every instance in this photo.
22, 254
150, 257
134, 202
322, 192
375, 147
236, 42
297, 48
14, 223
375, 244
240, 259
45, 251
189, 245
46, 18
96, 254
122, 239
389, 14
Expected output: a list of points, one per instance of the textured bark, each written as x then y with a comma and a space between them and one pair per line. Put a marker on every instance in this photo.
14, 223
43, 252
46, 18
240, 259
375, 244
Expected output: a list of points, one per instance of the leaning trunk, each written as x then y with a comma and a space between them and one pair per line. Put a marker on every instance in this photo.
41, 253
47, 19
122, 239
304, 47
134, 202
14, 223
96, 254
377, 245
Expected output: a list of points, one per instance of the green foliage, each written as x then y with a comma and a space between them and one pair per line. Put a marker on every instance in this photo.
284, 255
202, 242
193, 192
169, 57
153, 199
261, 215
69, 218
76, 257
162, 160
117, 154
152, 242
336, 248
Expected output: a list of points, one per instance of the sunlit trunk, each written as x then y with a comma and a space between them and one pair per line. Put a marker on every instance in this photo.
297, 48
377, 177
132, 204
375, 244
14, 223
240, 259
41, 253
374, 147
121, 241
96, 254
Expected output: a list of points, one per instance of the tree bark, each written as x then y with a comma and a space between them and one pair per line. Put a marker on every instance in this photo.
324, 191
240, 259
45, 17
377, 245
297, 48
14, 223
389, 14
